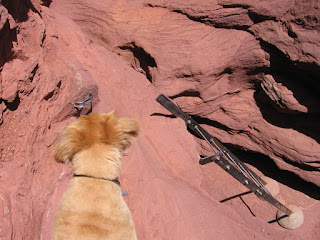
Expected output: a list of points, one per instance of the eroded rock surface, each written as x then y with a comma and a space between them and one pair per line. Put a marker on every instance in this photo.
246, 70
224, 74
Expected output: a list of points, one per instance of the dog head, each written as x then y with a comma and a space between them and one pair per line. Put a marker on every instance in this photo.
96, 129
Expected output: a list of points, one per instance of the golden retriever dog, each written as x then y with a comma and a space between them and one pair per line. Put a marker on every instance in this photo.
93, 207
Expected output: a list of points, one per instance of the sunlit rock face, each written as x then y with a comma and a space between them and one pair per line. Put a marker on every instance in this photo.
247, 71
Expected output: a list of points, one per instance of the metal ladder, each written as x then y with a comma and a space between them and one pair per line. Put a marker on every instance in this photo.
224, 158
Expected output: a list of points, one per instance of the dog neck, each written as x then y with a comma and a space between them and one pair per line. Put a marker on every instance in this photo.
116, 181
99, 161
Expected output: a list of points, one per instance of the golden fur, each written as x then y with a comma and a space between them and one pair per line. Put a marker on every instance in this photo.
93, 208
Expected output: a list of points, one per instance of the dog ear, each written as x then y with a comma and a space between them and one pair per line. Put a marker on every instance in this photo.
68, 146
128, 129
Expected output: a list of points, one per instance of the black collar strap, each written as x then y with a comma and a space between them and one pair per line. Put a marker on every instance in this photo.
116, 181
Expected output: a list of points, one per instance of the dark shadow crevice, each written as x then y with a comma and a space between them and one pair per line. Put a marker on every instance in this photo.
12, 106
7, 37
187, 93
142, 59
258, 18
300, 78
46, 3
268, 167
306, 123
18, 9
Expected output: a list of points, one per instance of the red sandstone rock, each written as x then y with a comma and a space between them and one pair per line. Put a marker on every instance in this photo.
209, 66
109, 48
20, 80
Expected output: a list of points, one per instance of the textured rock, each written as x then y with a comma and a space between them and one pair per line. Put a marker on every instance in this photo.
207, 57
220, 73
13, 83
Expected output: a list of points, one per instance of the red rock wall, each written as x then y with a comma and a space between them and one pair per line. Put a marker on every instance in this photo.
247, 70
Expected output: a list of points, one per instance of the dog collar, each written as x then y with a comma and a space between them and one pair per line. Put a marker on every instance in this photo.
116, 181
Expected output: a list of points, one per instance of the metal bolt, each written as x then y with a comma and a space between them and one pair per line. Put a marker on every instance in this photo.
83, 103
227, 167
246, 182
